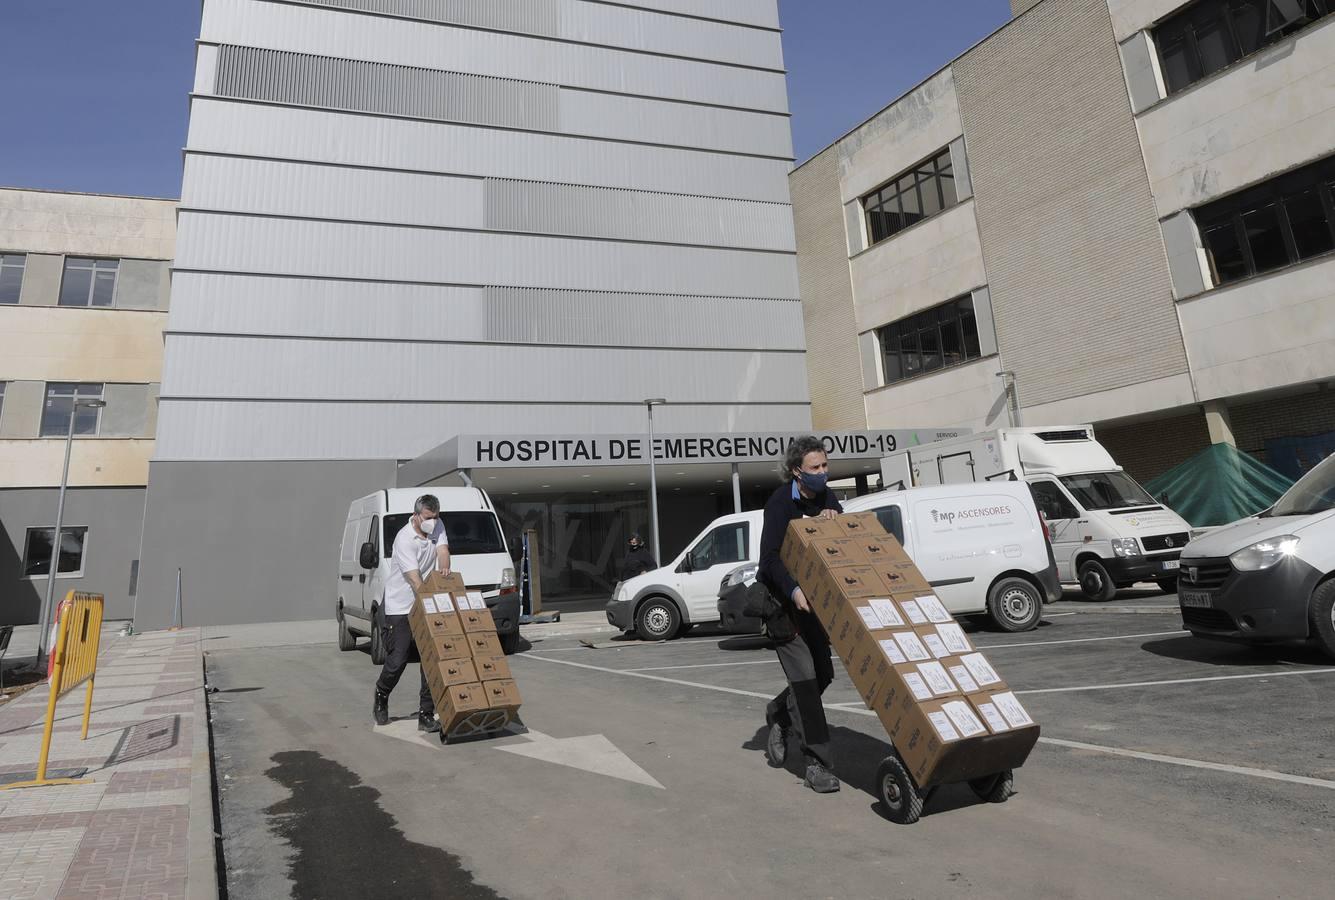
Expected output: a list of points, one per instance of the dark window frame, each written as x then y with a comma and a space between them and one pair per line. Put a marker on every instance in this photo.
883, 209
1233, 261
10, 262
30, 564
902, 357
1180, 32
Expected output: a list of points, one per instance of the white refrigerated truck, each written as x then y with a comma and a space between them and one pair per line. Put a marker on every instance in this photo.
1107, 531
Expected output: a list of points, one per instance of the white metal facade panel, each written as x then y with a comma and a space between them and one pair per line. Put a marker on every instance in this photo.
251, 304
594, 23
231, 243
206, 68
222, 126
761, 13
218, 430
300, 369
328, 32
635, 215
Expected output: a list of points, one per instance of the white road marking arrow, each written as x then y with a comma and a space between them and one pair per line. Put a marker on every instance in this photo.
591, 753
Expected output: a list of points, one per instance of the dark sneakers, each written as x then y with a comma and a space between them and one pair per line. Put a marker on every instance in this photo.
820, 779
427, 722
776, 743
381, 711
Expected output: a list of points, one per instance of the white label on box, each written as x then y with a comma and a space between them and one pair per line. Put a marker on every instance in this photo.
475, 600
869, 618
935, 675
887, 613
964, 679
954, 637
1015, 714
941, 722
981, 669
994, 718
912, 646
892, 652
963, 716
917, 686
936, 645
931, 608
429, 606
913, 611
444, 603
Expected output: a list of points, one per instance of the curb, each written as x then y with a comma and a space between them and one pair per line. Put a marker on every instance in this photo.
1121, 610
201, 873
529, 631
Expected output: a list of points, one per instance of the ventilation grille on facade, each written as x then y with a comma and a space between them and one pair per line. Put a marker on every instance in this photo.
305, 80
1055, 437
523, 16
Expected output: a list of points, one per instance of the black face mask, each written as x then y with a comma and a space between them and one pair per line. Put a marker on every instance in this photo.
634, 546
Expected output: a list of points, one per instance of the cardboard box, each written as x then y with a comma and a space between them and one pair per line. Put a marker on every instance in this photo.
859, 583
481, 643
834, 553
933, 641
436, 624
982, 672
437, 648
880, 548
457, 702
987, 711
860, 524
901, 577
502, 694
492, 668
938, 679
474, 620
437, 583
449, 672
953, 636
800, 534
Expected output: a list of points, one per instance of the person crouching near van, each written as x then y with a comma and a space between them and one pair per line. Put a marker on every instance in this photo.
800, 639
420, 548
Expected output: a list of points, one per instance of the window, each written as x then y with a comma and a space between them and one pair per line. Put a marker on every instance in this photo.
725, 545
37, 551
1107, 490
11, 276
88, 282
938, 338
60, 400
1051, 501
892, 520
2, 399
468, 532
1211, 35
921, 193
1284, 221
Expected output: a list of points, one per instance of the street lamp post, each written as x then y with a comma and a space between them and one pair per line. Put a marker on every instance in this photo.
653, 478
54, 564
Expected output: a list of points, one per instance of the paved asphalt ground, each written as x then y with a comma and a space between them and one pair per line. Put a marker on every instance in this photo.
1169, 767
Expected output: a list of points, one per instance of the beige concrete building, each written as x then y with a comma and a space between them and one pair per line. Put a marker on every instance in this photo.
1125, 206
84, 285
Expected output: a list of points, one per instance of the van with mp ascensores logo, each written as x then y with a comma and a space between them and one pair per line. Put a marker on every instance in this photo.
1107, 531
1271, 577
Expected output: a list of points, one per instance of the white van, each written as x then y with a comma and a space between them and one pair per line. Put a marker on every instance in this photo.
1107, 531
982, 547
1270, 577
477, 552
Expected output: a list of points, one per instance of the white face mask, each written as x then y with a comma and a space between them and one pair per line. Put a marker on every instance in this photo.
428, 526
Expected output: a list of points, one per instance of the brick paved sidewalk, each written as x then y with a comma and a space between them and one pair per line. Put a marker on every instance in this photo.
144, 827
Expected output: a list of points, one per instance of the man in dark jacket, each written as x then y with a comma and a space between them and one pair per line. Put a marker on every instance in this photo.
805, 656
638, 558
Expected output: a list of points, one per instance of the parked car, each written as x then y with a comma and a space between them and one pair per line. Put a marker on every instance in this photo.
477, 552
1270, 577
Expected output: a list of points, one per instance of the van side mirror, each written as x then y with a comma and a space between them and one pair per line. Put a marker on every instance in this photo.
687, 564
368, 556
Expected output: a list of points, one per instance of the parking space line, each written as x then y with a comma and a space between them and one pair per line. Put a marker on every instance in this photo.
749, 662
1193, 763
1135, 684
627, 672
676, 643
1115, 637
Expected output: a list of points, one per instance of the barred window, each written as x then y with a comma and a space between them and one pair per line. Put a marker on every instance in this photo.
920, 193
937, 338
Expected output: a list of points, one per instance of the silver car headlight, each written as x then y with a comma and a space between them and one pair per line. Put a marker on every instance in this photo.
1264, 554
738, 576
1126, 546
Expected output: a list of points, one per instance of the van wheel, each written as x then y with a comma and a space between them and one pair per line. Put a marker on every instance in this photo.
1096, 582
657, 620
1321, 617
377, 638
1014, 605
346, 639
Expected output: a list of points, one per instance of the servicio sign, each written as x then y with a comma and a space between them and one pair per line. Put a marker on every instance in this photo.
518, 451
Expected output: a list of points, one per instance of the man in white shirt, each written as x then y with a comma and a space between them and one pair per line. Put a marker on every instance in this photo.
420, 548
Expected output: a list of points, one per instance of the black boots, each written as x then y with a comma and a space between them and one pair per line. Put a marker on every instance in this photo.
427, 722
381, 711
820, 779
776, 742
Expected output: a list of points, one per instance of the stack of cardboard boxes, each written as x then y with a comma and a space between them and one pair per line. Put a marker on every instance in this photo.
461, 655
949, 714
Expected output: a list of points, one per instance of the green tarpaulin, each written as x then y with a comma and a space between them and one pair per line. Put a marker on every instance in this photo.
1218, 485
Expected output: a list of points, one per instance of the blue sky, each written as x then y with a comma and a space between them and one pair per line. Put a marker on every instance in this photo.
95, 90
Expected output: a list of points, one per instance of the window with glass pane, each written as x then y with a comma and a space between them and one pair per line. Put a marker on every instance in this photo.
938, 338
1227, 261
1312, 232
1210, 35
920, 193
60, 400
88, 282
11, 276
37, 551
1264, 238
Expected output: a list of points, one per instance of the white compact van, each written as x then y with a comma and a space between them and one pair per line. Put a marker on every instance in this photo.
1107, 531
477, 552
982, 547
1270, 577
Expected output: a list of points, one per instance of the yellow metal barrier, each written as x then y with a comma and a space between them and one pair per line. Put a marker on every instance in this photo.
74, 661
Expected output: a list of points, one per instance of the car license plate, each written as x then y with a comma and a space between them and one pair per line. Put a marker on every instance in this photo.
1198, 599
1171, 565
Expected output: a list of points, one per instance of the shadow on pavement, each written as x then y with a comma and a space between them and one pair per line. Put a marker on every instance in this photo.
1225, 653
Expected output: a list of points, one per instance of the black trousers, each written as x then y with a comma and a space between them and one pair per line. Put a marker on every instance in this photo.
400, 649
809, 669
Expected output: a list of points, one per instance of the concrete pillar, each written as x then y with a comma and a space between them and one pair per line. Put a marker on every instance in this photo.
1218, 422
